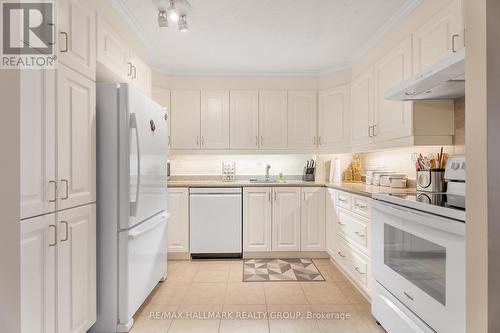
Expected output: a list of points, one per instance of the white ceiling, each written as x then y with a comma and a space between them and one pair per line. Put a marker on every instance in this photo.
264, 36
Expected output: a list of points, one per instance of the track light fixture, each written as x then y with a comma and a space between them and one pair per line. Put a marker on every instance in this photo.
173, 15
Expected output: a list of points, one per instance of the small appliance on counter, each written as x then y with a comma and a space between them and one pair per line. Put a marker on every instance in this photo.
228, 171
309, 171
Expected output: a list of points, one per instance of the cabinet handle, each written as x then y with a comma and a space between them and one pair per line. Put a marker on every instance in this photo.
66, 185
197, 140
66, 231
369, 131
340, 223
256, 140
261, 141
275, 197
169, 140
342, 199
304, 196
359, 271
373, 130
55, 235
129, 68
134, 75
269, 196
65, 34
319, 140
202, 141
340, 254
53, 182
359, 234
454, 37
314, 140
360, 205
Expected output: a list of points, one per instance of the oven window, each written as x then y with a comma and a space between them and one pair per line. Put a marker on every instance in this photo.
421, 262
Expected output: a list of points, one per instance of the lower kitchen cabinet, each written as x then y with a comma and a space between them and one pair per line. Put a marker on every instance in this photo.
58, 271
38, 274
178, 224
330, 220
257, 214
312, 220
76, 269
286, 219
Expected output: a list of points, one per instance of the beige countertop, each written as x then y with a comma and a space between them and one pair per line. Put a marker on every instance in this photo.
210, 181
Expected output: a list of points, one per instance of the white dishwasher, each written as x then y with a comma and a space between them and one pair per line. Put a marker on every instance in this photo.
215, 222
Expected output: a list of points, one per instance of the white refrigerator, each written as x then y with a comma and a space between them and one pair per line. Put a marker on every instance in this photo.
132, 150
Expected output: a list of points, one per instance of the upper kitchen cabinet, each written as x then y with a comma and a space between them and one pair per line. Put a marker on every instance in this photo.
38, 142
442, 35
162, 97
362, 104
140, 74
185, 117
76, 135
392, 119
112, 52
77, 37
302, 119
273, 119
333, 124
215, 119
244, 119
117, 62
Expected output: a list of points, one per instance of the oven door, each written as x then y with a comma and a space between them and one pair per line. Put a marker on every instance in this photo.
420, 259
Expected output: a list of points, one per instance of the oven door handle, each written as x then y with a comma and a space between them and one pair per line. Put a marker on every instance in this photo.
424, 219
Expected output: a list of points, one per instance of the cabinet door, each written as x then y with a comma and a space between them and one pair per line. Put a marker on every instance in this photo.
244, 119
439, 37
330, 220
302, 119
76, 150
185, 119
362, 108
178, 223
257, 219
38, 274
392, 119
162, 97
312, 219
77, 37
215, 119
76, 269
273, 119
334, 123
112, 51
286, 219
38, 145
140, 75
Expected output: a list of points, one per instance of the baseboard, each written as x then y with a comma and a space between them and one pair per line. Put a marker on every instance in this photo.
286, 254
178, 256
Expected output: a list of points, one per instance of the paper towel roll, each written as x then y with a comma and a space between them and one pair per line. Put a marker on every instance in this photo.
335, 171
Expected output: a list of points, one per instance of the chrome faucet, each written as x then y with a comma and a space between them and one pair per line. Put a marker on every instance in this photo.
267, 171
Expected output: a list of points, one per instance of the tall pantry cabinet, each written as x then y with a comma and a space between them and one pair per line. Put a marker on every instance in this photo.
58, 176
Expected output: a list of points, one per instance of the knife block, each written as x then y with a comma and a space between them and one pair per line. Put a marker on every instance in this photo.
308, 177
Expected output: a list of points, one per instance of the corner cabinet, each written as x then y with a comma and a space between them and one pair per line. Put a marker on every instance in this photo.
441, 36
312, 220
257, 216
302, 119
362, 105
333, 119
178, 223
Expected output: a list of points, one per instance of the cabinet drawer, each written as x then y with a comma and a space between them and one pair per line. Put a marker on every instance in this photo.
341, 254
362, 205
359, 266
343, 199
353, 228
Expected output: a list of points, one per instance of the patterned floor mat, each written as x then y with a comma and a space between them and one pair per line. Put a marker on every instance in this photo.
280, 270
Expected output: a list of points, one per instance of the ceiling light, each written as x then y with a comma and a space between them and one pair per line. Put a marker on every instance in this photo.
162, 19
183, 25
172, 12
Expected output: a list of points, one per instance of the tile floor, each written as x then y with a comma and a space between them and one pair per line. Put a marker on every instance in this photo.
212, 289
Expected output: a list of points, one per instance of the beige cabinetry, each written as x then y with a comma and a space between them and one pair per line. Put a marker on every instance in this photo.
312, 220
185, 118
257, 217
244, 119
178, 223
286, 219
302, 119
273, 119
362, 106
333, 119
214, 119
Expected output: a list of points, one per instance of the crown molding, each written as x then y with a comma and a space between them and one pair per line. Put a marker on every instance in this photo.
403, 12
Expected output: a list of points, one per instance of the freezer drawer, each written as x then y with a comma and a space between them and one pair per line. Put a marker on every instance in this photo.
142, 264
216, 222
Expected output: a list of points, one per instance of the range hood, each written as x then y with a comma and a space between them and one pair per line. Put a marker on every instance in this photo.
444, 80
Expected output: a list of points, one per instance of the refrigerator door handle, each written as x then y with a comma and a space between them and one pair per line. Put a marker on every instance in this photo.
133, 204
135, 234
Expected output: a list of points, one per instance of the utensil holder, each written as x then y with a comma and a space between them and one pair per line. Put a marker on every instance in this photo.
308, 177
431, 181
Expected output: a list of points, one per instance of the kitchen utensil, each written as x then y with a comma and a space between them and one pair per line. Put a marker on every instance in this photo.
431, 180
